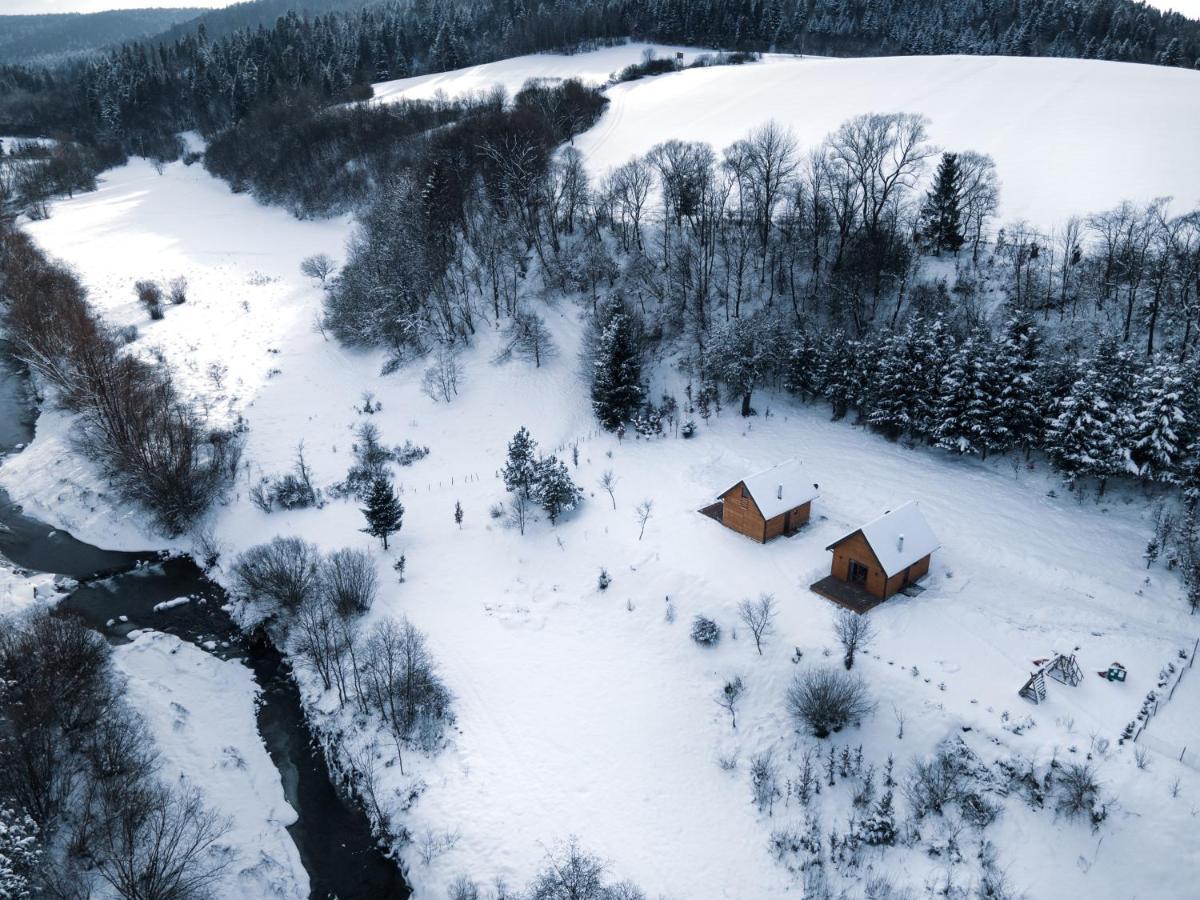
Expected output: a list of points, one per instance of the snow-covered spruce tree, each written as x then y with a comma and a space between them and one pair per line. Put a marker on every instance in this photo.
520, 475
836, 371
384, 511
20, 854
555, 489
942, 218
740, 355
617, 389
1020, 401
908, 378
1158, 428
967, 418
1090, 435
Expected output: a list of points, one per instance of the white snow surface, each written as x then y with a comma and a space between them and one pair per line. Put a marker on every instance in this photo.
1069, 136
780, 488
20, 589
588, 713
591, 67
201, 713
899, 537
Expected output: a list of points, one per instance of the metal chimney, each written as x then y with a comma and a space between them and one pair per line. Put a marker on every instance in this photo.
779, 492
900, 542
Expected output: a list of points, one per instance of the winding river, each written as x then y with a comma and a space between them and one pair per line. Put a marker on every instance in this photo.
118, 592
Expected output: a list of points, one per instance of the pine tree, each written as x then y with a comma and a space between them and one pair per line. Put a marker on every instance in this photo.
617, 390
966, 414
556, 491
458, 513
1157, 445
943, 218
1091, 434
520, 475
1019, 400
384, 512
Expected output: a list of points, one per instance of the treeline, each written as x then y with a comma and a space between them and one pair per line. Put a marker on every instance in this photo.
149, 440
321, 161
82, 806
140, 94
458, 226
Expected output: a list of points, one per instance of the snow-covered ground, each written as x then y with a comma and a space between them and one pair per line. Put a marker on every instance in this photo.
592, 67
20, 589
201, 712
1069, 136
588, 713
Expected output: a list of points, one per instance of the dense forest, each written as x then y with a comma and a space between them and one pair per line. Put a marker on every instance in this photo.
140, 93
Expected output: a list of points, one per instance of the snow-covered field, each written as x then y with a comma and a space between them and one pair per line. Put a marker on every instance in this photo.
1069, 136
201, 712
588, 713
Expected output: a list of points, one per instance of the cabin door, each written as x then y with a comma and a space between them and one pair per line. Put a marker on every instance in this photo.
858, 573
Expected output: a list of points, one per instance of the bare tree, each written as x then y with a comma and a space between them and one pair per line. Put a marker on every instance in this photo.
319, 266
643, 512
608, 484
853, 631
284, 571
728, 696
528, 338
156, 844
759, 616
440, 381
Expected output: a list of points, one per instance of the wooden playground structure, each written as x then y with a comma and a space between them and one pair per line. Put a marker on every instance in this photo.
1062, 667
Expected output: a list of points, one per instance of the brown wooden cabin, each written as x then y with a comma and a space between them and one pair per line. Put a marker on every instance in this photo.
773, 502
886, 555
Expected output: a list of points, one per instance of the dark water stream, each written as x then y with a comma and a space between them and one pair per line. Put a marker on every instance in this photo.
119, 592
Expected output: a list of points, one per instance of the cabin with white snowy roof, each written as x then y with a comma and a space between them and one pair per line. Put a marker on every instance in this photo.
886, 555
765, 505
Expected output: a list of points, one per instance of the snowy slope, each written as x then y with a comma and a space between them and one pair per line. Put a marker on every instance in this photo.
589, 713
201, 713
1069, 136
593, 67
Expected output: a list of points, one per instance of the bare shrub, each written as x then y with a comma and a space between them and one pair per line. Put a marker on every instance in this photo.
826, 700
1077, 794
284, 571
854, 631
729, 695
348, 580
936, 783
764, 780
149, 294
177, 289
529, 338
759, 617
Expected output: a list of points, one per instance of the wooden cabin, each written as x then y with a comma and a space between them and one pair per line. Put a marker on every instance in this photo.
773, 502
886, 555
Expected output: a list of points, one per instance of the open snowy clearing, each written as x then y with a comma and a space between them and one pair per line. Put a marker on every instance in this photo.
201, 711
588, 713
592, 67
1070, 137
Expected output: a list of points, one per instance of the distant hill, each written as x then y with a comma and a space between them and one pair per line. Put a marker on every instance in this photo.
219, 23
58, 37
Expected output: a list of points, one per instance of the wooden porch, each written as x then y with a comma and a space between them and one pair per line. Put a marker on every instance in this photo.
847, 596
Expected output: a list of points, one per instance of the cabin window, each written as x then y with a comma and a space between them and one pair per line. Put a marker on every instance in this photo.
858, 572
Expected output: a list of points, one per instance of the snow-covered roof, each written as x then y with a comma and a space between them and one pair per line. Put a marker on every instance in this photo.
779, 488
898, 538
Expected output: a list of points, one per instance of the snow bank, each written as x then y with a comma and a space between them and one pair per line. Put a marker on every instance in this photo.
20, 589
201, 713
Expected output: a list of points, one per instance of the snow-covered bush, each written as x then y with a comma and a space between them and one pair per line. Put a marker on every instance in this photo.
20, 854
178, 290
572, 873
604, 580
764, 780
825, 700
1077, 794
705, 631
